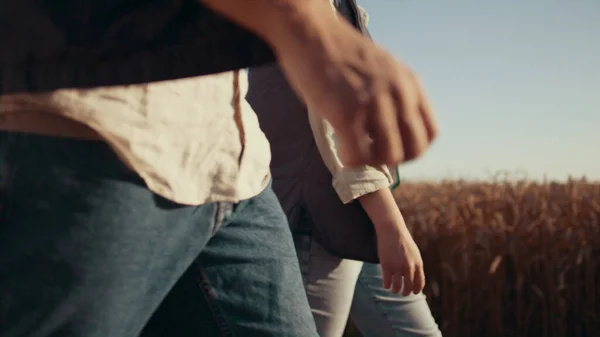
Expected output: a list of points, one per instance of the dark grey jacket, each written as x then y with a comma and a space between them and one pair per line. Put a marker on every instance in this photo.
52, 44
301, 181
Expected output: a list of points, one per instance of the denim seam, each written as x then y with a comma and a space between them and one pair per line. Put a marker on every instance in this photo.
211, 296
306, 256
307, 259
223, 210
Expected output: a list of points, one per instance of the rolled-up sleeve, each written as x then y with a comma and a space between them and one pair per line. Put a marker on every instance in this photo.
349, 183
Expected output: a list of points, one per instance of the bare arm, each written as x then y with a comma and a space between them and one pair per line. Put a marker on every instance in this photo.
384, 212
400, 258
276, 21
375, 103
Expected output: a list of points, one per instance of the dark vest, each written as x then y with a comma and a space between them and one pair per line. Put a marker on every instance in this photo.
53, 44
301, 180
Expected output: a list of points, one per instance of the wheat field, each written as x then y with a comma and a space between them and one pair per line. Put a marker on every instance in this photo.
507, 258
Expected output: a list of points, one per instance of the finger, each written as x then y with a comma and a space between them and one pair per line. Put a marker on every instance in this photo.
411, 126
419, 280
408, 281
382, 126
387, 278
397, 284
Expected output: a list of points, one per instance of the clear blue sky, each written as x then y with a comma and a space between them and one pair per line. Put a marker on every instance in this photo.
516, 83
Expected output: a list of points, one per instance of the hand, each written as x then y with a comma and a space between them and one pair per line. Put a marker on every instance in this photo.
376, 104
400, 259
401, 262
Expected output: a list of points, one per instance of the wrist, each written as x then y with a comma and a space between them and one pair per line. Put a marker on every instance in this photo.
299, 26
384, 213
395, 228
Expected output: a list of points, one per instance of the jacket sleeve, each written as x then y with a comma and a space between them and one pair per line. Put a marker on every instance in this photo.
349, 183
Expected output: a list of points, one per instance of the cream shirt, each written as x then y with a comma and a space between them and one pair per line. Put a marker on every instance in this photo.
349, 183
181, 136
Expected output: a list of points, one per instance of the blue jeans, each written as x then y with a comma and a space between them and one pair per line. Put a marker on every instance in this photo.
338, 287
378, 313
86, 250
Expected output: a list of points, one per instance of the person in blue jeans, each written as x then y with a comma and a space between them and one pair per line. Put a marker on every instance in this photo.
86, 249
135, 194
339, 287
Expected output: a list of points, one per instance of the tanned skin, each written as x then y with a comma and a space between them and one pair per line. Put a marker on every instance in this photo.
375, 103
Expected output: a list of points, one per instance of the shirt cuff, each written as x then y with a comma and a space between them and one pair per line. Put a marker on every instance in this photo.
351, 184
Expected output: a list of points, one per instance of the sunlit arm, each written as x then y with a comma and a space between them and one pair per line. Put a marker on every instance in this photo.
278, 22
383, 211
